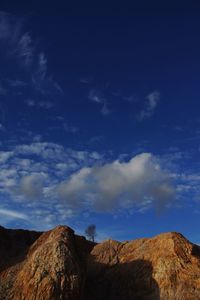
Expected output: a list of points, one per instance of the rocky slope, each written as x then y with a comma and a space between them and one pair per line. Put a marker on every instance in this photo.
61, 265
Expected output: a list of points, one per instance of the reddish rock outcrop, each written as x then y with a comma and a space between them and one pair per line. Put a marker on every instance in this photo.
61, 265
53, 267
165, 267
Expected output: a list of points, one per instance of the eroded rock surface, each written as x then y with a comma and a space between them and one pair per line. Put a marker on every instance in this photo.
61, 265
164, 267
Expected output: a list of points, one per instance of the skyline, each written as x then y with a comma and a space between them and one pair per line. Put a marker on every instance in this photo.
99, 119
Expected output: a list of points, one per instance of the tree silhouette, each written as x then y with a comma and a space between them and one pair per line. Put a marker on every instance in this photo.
91, 232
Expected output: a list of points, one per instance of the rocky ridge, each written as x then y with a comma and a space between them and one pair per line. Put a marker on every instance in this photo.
61, 265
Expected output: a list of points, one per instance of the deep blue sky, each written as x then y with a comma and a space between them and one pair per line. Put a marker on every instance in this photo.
99, 117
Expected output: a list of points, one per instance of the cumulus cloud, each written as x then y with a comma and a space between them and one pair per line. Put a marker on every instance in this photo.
83, 181
150, 105
31, 186
31, 171
119, 185
37, 171
51, 152
5, 155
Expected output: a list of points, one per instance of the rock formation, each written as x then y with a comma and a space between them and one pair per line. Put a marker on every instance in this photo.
61, 265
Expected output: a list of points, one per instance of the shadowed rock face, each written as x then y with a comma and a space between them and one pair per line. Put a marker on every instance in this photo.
60, 265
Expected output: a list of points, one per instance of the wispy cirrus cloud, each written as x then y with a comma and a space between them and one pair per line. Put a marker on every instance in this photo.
41, 104
98, 97
13, 214
61, 123
151, 102
20, 49
70, 128
18, 44
86, 80
16, 83
25, 50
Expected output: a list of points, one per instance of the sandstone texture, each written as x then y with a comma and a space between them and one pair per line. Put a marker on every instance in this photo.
61, 265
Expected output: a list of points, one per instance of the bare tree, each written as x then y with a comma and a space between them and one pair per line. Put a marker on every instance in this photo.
91, 232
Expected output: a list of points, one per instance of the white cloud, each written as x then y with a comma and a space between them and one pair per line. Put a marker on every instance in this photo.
13, 214
42, 65
98, 97
5, 155
150, 105
65, 125
69, 128
9, 27
43, 149
55, 152
37, 138
41, 80
21, 50
42, 104
83, 181
31, 186
16, 83
45, 104
30, 102
105, 111
118, 184
31, 171
18, 43
25, 49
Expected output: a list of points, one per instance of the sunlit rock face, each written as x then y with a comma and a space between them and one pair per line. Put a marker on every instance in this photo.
164, 267
51, 268
61, 265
